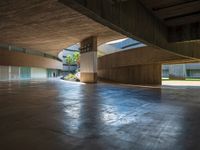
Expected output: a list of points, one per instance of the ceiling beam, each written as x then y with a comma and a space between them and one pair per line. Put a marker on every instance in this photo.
159, 4
132, 19
184, 33
182, 20
130, 45
176, 3
178, 10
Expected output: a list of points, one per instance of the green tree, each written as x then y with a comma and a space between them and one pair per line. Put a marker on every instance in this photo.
76, 58
69, 61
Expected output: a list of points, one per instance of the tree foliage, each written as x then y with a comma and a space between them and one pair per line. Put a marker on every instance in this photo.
76, 57
69, 59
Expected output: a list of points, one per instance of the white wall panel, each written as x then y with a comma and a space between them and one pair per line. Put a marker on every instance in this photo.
14, 73
4, 73
38, 73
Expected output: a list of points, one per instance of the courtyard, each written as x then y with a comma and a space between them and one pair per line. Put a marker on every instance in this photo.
55, 114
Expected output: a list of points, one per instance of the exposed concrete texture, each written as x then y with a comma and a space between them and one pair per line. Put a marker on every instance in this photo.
131, 18
138, 74
185, 32
174, 12
88, 60
87, 77
55, 115
10, 58
136, 66
181, 16
139, 56
47, 25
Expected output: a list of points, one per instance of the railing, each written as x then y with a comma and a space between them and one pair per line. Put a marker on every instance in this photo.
27, 51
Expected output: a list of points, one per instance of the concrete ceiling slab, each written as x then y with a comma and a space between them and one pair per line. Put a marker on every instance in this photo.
47, 25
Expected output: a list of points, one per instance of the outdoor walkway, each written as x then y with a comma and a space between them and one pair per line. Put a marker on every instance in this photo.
57, 115
181, 83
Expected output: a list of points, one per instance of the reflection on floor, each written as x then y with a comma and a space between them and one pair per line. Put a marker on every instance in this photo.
56, 115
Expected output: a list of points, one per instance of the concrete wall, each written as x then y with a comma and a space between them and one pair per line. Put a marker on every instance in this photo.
139, 74
136, 66
138, 56
11, 58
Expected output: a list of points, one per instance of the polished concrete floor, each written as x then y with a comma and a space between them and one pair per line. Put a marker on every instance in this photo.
56, 115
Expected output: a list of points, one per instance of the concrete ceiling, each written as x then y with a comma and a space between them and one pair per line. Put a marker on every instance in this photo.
175, 12
47, 25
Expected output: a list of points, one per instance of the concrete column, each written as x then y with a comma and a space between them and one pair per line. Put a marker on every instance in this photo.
88, 60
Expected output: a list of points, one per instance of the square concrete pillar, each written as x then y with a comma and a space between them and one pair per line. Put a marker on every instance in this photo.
88, 60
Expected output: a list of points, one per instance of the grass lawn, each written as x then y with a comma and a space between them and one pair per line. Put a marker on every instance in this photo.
187, 79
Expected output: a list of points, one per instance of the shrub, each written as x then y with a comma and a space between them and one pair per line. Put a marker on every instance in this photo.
70, 76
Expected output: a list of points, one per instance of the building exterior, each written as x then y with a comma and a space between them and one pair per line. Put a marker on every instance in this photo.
181, 70
25, 73
22, 64
64, 53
